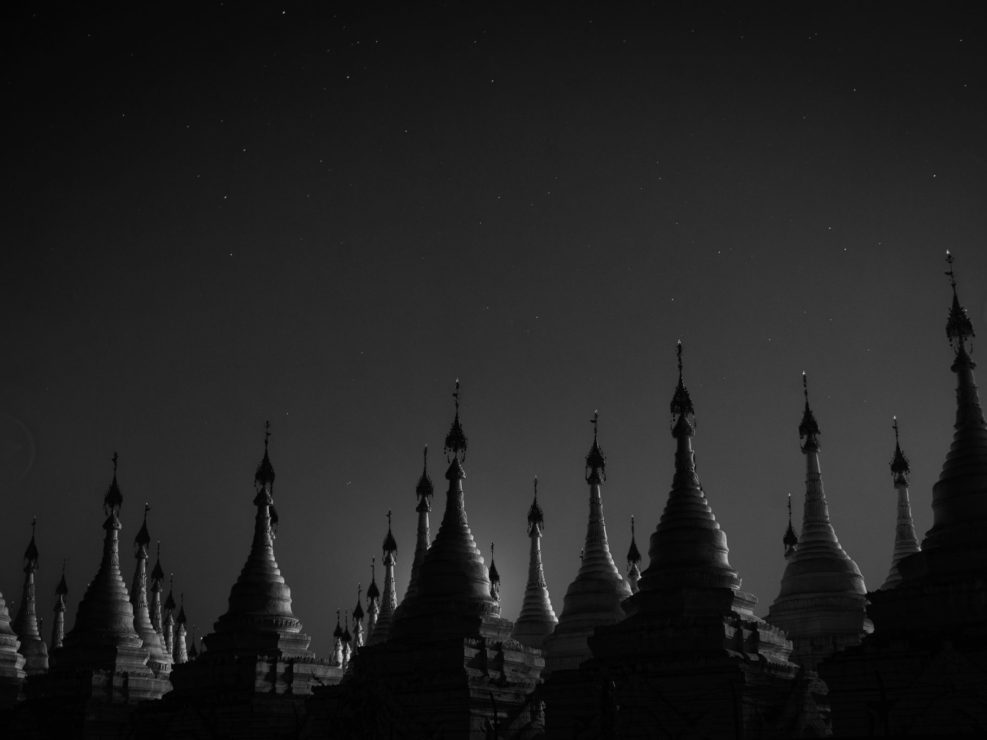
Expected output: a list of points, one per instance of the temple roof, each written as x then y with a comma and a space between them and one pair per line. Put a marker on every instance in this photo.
688, 548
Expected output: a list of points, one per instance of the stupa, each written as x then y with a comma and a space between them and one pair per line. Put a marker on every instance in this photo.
449, 667
537, 619
921, 672
690, 659
821, 605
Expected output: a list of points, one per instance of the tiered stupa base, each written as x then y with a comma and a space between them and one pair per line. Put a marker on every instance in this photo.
471, 687
244, 685
923, 671
698, 663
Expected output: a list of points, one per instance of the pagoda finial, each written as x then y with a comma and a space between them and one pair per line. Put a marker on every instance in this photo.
31, 553
264, 477
455, 445
633, 554
373, 592
390, 546
358, 611
683, 412
113, 499
959, 328
596, 462
424, 489
808, 428
63, 588
143, 538
536, 518
899, 463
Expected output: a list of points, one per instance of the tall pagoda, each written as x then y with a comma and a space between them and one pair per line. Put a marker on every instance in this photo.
691, 659
922, 671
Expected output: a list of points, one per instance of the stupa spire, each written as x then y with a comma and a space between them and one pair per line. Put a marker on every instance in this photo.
494, 576
347, 639
424, 491
537, 618
160, 660
105, 615
358, 634
58, 623
905, 541
688, 548
633, 561
260, 600
389, 600
157, 585
594, 597
790, 540
337, 642
25, 624
453, 578
168, 622
822, 597
181, 648
959, 498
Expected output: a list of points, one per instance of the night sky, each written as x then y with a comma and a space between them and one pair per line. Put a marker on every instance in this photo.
219, 215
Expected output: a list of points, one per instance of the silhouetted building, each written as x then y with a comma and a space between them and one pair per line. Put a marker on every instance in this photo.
33, 647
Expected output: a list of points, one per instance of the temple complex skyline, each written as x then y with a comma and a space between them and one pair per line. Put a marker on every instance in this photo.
324, 221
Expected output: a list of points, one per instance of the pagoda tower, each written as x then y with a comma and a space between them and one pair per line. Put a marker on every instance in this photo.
168, 621
821, 605
424, 491
494, 575
358, 634
337, 642
690, 659
256, 669
921, 672
905, 541
33, 647
537, 619
389, 601
159, 661
180, 654
11, 661
633, 562
58, 623
594, 597
100, 672
449, 667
